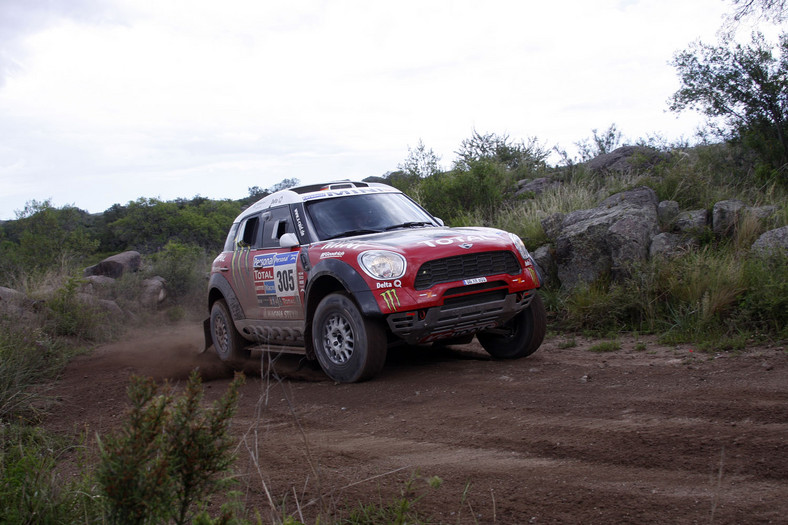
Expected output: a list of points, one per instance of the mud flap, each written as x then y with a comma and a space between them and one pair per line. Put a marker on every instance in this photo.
206, 328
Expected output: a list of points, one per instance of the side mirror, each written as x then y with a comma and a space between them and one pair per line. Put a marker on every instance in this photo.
440, 221
288, 240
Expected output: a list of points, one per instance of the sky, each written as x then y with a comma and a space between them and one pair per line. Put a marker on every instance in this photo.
103, 102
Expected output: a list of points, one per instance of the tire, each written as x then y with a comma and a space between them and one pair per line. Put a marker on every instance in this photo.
519, 337
229, 344
349, 347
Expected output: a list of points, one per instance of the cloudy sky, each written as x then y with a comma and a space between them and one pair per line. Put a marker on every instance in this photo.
106, 101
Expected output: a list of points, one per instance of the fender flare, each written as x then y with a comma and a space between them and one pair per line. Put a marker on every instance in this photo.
219, 282
349, 278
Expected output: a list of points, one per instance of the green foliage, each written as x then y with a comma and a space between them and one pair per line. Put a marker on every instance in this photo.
598, 144
148, 225
182, 266
606, 346
420, 162
481, 187
43, 237
524, 158
72, 317
27, 357
30, 489
169, 455
764, 305
743, 90
400, 511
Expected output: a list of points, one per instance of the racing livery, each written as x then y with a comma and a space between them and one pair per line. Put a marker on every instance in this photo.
346, 269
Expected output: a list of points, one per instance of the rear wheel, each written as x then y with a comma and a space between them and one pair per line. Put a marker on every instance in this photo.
348, 346
521, 336
229, 344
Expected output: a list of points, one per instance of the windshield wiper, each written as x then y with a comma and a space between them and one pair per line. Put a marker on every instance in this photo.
351, 233
409, 225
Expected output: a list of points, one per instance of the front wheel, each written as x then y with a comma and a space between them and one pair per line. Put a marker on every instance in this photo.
521, 336
229, 344
348, 346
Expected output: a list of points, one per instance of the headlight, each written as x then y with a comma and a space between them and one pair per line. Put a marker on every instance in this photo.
520, 246
381, 264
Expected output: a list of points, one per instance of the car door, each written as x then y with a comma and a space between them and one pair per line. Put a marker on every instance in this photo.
276, 271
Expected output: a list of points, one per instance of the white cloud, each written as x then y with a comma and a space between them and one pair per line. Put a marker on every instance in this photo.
173, 99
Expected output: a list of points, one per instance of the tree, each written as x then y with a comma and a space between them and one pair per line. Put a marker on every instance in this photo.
421, 162
742, 89
523, 157
772, 10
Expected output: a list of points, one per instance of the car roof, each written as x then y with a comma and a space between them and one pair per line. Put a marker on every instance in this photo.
310, 192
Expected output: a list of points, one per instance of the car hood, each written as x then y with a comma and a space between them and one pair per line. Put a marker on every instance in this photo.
441, 241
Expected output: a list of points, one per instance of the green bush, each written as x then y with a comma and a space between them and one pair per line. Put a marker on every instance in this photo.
27, 357
30, 489
170, 454
183, 267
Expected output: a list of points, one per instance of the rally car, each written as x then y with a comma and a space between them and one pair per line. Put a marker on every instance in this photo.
346, 269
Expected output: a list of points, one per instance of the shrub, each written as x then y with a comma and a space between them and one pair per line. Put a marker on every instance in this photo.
169, 455
183, 267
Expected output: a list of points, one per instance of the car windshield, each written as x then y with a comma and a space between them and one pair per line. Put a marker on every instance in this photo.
360, 214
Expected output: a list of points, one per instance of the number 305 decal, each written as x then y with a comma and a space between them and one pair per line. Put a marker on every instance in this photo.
284, 272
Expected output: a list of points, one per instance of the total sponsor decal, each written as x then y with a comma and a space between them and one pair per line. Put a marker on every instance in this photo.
276, 275
461, 239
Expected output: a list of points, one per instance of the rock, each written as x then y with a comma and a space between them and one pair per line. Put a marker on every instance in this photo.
691, 222
725, 215
552, 225
536, 186
97, 283
626, 158
667, 211
671, 244
543, 258
116, 265
153, 291
762, 213
14, 302
593, 243
773, 241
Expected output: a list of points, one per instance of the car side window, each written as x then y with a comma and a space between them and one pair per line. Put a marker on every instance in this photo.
250, 233
277, 222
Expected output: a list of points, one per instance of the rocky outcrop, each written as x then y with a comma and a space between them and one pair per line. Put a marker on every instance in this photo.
538, 186
631, 226
773, 241
590, 244
626, 159
116, 265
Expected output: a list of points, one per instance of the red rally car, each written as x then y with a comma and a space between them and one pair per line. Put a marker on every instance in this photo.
346, 269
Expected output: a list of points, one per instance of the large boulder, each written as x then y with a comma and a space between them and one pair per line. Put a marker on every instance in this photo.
626, 159
153, 291
116, 265
668, 245
725, 215
593, 243
691, 222
667, 211
773, 241
536, 186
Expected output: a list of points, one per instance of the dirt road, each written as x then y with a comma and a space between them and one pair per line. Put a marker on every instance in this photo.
654, 435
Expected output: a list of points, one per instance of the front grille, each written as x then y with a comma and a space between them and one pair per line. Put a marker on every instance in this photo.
467, 266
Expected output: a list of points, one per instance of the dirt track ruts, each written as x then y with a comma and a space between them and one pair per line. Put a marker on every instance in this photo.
661, 435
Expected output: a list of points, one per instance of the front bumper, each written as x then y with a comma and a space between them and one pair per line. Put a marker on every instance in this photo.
468, 315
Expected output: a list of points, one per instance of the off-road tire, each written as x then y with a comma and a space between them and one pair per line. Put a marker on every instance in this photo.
229, 344
520, 337
348, 346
